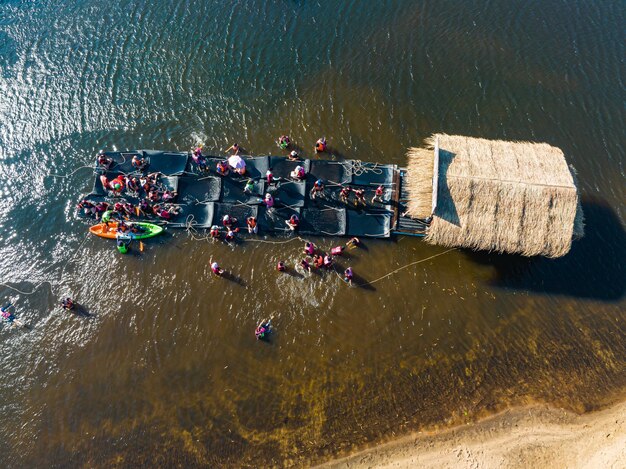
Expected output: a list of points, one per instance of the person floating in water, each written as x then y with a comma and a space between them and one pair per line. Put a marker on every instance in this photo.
309, 248
6, 314
216, 269
293, 156
353, 243
263, 329
293, 222
305, 265
337, 250
234, 148
317, 189
215, 232
281, 266
318, 261
253, 227
284, 142
378, 195
320, 145
67, 304
328, 261
348, 275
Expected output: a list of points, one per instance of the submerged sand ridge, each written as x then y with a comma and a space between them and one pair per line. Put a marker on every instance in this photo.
532, 436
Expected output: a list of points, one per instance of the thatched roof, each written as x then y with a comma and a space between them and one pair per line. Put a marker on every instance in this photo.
517, 197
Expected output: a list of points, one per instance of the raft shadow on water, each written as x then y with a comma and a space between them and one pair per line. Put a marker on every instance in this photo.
594, 268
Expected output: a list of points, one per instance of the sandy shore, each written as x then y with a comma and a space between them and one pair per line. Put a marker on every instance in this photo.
537, 436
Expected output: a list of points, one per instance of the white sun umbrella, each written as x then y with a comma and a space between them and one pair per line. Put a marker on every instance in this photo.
236, 162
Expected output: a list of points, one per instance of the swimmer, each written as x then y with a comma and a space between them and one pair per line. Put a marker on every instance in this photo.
293, 222
263, 329
309, 248
353, 243
253, 227
305, 265
337, 250
348, 275
67, 304
328, 261
378, 195
293, 156
216, 269
318, 261
234, 147
320, 145
230, 234
284, 142
281, 266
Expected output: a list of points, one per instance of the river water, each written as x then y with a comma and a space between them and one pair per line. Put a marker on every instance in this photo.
166, 370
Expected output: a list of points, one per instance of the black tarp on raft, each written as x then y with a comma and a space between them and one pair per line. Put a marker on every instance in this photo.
205, 197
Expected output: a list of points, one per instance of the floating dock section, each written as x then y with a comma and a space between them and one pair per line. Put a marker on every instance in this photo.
204, 197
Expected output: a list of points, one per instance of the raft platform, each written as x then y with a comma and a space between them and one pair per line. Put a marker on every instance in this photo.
205, 196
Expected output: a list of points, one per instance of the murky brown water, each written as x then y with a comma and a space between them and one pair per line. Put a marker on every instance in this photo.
166, 371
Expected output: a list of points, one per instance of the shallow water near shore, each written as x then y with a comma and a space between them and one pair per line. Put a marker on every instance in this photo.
166, 370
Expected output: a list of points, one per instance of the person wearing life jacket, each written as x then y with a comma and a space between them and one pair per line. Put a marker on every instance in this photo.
222, 168
269, 176
6, 314
215, 232
199, 159
328, 261
318, 261
104, 161
320, 145
101, 207
229, 221
138, 162
298, 173
317, 189
144, 207
378, 195
284, 142
133, 184
293, 156
344, 194
337, 250
293, 222
262, 330
168, 196
359, 197
348, 275
216, 269
253, 227
269, 200
87, 207
249, 187
117, 185
161, 212
230, 233
309, 248
67, 304
122, 227
281, 266
353, 243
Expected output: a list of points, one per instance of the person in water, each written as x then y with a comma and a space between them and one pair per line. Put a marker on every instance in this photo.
253, 227
216, 269
263, 329
378, 195
284, 142
249, 187
88, 207
309, 248
344, 194
234, 148
293, 156
337, 250
348, 275
67, 304
353, 243
305, 265
318, 261
328, 261
320, 145
230, 234
222, 168
281, 266
293, 222
317, 189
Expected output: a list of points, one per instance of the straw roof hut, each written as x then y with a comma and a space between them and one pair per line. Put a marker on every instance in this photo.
517, 197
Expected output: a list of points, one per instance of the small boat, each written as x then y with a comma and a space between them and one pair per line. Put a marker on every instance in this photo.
146, 230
